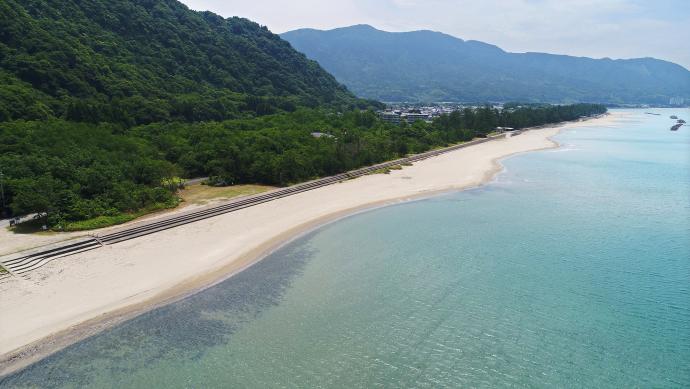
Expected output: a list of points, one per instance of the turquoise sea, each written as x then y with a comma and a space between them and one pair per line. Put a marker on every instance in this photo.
571, 269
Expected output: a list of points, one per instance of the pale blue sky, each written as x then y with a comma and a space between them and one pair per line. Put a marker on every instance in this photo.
605, 28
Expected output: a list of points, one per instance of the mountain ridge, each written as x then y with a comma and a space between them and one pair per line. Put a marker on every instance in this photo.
150, 60
431, 65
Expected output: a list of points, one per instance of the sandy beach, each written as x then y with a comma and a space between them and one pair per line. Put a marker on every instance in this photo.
79, 295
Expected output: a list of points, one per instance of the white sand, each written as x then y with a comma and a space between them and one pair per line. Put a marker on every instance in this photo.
137, 274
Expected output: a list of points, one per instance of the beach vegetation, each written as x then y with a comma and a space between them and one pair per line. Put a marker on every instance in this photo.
383, 170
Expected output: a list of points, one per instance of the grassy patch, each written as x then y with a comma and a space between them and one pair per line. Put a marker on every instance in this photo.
101, 222
2, 270
201, 194
387, 170
107, 221
380, 171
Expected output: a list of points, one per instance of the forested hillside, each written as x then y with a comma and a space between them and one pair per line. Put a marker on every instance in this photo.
431, 66
142, 61
105, 104
78, 76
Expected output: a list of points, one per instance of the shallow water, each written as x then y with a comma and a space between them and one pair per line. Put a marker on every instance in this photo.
572, 269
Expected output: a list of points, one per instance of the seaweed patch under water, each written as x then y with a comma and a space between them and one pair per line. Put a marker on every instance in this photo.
186, 329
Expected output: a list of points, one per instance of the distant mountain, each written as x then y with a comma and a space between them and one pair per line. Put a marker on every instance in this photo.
144, 61
431, 66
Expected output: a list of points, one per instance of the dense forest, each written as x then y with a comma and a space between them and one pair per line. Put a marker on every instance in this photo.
137, 62
78, 171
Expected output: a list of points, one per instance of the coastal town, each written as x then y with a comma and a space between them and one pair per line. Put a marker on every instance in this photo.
403, 112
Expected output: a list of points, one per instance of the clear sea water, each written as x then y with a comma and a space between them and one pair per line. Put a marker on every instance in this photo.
572, 269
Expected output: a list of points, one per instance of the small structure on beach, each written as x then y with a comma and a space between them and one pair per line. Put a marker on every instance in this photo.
508, 131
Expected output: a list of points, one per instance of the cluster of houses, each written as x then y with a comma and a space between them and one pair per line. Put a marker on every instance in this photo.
412, 113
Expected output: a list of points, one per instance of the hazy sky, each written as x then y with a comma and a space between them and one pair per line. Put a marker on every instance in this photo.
606, 28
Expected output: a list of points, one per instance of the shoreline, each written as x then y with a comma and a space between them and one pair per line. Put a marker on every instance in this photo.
61, 335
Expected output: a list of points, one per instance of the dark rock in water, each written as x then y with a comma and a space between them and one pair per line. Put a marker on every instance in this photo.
676, 127
681, 121
674, 117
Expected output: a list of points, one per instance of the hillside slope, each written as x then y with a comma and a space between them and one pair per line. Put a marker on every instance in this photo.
105, 104
146, 61
431, 66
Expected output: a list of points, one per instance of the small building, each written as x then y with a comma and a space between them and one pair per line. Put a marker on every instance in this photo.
677, 101
390, 116
321, 135
411, 117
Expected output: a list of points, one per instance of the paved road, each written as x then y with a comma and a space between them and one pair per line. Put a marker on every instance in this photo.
6, 222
